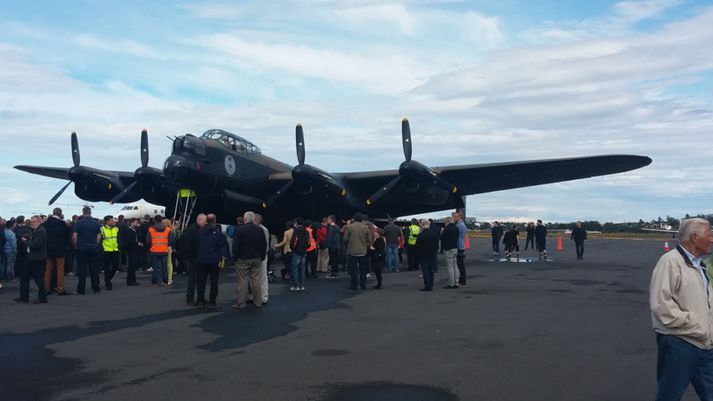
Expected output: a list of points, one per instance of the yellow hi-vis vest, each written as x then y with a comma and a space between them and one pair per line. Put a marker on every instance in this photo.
412, 234
110, 241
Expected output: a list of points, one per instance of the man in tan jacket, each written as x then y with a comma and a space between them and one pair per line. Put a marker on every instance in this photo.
358, 238
680, 297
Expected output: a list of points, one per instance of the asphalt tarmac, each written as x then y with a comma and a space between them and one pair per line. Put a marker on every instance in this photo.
558, 330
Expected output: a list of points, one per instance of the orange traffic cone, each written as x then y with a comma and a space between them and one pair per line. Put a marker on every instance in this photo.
467, 242
665, 247
559, 243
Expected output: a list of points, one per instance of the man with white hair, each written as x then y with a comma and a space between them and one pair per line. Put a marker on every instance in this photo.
680, 299
249, 250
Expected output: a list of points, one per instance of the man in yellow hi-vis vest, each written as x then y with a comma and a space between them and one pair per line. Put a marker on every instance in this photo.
413, 231
110, 246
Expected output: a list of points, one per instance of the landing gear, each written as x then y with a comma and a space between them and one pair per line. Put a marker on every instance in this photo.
185, 204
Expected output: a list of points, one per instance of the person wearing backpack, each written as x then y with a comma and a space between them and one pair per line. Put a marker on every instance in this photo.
299, 243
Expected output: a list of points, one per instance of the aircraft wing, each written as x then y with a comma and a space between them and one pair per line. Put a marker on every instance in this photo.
481, 178
53, 172
126, 177
660, 230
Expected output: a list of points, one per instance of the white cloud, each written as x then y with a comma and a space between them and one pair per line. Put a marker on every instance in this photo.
379, 14
483, 29
639, 10
379, 71
620, 22
123, 46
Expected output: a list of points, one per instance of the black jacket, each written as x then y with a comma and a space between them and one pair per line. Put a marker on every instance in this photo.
188, 242
496, 232
510, 238
449, 237
123, 227
212, 245
530, 232
300, 241
378, 254
23, 234
38, 245
579, 234
249, 242
129, 240
59, 237
427, 243
540, 232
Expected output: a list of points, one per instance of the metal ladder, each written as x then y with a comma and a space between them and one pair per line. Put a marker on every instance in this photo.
186, 200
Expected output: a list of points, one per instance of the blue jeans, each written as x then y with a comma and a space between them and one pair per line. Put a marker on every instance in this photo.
392, 257
358, 272
298, 270
7, 265
159, 262
680, 363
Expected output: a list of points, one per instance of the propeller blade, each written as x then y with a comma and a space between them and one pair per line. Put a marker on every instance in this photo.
300, 139
144, 148
406, 137
383, 191
121, 194
58, 194
75, 149
274, 197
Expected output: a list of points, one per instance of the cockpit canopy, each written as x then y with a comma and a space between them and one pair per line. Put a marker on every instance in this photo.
231, 141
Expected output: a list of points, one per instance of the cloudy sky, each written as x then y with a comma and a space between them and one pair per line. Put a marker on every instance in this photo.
480, 82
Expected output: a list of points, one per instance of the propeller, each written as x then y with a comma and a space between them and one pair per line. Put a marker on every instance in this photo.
141, 172
300, 144
58, 194
410, 170
75, 159
406, 138
75, 149
304, 174
144, 148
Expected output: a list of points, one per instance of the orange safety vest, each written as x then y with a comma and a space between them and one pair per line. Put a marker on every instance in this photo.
159, 240
312, 242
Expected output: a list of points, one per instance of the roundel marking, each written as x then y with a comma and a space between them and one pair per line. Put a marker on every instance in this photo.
229, 165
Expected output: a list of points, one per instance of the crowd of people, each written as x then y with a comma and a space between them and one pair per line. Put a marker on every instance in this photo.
535, 238
46, 249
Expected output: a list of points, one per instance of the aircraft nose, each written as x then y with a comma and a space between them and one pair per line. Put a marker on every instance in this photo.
176, 168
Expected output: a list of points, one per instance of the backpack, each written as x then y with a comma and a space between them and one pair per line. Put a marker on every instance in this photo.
300, 241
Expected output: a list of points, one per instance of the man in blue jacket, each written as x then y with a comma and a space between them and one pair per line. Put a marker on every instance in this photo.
212, 249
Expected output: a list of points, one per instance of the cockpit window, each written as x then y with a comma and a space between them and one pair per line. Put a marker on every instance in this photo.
231, 141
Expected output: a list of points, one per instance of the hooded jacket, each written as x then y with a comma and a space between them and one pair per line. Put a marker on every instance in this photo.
159, 227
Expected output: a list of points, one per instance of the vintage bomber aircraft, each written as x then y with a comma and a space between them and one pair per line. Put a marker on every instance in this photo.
225, 174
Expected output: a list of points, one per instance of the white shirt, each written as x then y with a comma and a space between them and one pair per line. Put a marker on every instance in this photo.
697, 263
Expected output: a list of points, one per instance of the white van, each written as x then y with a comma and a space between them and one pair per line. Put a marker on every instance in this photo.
139, 210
